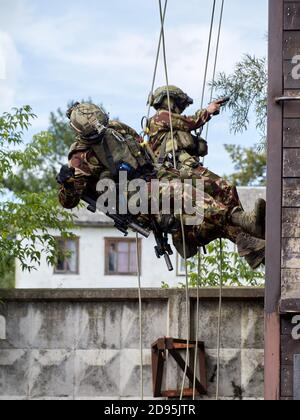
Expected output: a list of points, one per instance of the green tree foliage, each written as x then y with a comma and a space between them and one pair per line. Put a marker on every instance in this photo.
249, 164
54, 145
7, 273
247, 87
28, 211
235, 270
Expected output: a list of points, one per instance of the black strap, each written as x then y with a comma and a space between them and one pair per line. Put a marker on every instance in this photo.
112, 165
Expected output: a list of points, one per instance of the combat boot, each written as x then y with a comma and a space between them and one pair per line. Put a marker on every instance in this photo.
252, 249
252, 223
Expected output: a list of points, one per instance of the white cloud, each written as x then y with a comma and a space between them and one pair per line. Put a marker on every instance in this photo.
77, 54
122, 63
11, 70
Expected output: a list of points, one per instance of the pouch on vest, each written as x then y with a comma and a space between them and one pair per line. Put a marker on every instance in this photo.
115, 152
202, 147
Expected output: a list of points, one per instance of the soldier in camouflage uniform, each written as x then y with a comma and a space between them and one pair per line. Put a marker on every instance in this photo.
124, 130
96, 155
190, 147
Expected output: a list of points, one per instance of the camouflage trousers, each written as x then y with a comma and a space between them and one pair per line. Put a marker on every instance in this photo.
219, 200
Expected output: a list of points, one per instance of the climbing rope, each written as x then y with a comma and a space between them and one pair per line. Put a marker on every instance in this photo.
221, 244
162, 42
219, 321
181, 216
216, 59
208, 51
199, 251
157, 57
140, 316
197, 323
137, 236
167, 81
188, 313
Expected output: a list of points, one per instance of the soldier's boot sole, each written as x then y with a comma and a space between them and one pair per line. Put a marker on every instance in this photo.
260, 211
252, 249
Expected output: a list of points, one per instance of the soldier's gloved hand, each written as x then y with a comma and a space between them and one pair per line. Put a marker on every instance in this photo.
214, 108
66, 176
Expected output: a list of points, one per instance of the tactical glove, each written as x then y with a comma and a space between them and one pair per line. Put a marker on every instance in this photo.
66, 176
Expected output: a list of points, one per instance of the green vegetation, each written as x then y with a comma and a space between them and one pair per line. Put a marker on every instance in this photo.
247, 87
29, 207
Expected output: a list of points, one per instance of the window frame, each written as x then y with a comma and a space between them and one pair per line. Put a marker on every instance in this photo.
117, 240
179, 273
66, 272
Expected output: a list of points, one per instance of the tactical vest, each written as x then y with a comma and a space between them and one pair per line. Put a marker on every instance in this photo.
194, 145
117, 153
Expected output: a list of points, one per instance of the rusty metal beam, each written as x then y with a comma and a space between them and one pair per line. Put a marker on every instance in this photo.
174, 346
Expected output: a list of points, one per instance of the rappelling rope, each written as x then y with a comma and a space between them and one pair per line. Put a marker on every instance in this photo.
208, 52
162, 41
199, 251
219, 321
216, 59
167, 80
202, 103
197, 323
137, 236
221, 242
181, 215
157, 58
221, 247
188, 313
140, 317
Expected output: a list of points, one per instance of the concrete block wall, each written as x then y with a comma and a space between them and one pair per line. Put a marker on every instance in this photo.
84, 344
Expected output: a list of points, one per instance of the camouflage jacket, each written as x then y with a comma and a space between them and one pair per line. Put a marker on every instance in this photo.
160, 131
124, 130
88, 168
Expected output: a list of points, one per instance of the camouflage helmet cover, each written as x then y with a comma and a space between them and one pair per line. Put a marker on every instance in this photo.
181, 98
88, 120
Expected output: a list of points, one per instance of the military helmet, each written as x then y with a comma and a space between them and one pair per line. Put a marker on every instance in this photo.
181, 98
88, 120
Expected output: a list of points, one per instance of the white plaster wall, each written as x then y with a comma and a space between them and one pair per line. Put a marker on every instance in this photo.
91, 264
92, 269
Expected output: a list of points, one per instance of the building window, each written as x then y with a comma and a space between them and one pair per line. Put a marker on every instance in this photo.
180, 266
68, 259
121, 257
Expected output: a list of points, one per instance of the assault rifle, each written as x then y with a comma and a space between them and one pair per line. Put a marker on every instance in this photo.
122, 223
125, 222
162, 249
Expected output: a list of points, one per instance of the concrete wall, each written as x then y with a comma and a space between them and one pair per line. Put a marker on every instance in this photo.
83, 344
